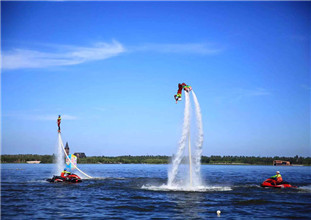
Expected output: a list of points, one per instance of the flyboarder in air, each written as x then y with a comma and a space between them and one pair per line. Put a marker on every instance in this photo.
178, 96
181, 86
58, 123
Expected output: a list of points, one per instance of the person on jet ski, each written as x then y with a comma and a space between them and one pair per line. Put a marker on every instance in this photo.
277, 177
65, 173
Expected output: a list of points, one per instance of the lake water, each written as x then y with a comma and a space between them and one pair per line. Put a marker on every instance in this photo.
134, 192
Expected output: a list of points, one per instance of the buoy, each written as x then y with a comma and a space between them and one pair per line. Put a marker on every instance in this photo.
218, 213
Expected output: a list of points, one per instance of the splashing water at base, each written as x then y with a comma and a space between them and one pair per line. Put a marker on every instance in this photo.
186, 188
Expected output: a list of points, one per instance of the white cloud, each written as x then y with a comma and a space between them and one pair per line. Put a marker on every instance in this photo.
64, 55
246, 93
69, 55
194, 48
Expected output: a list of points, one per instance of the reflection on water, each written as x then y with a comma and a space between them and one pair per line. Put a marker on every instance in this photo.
189, 205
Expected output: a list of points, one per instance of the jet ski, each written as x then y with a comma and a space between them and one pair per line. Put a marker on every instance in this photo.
72, 178
272, 183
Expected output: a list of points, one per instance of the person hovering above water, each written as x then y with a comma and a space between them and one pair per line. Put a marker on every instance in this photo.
180, 87
58, 123
277, 177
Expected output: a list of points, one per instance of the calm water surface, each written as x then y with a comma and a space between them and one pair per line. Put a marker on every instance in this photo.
121, 192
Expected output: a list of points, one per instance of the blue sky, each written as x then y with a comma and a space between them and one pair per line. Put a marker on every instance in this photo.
111, 70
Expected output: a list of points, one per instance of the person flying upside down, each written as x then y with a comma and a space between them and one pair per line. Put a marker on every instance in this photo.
181, 86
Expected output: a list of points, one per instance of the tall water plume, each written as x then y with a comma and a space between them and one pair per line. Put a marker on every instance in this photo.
182, 143
194, 178
60, 162
199, 139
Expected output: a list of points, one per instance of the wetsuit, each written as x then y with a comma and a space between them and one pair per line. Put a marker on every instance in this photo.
180, 87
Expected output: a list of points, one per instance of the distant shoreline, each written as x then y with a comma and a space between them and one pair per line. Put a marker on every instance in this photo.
146, 159
235, 164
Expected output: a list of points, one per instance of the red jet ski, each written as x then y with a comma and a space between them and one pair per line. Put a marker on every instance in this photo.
72, 178
272, 183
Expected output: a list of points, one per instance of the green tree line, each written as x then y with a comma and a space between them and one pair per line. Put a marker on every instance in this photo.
23, 158
126, 159
254, 160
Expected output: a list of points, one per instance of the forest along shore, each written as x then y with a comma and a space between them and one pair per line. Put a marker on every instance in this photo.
227, 160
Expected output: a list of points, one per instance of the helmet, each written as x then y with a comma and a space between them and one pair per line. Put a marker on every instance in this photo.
277, 171
65, 169
58, 115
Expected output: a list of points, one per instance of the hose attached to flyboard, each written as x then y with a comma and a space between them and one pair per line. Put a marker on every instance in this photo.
61, 142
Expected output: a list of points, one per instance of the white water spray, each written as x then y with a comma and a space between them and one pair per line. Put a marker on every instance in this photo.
60, 163
61, 146
194, 179
178, 178
60, 156
199, 139
182, 143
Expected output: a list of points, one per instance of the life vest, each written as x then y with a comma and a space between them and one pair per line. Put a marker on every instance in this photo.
279, 178
64, 173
